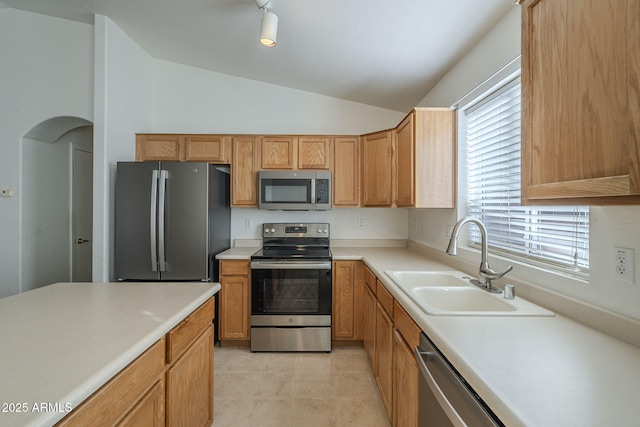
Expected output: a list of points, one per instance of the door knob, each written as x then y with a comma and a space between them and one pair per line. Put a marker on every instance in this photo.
81, 241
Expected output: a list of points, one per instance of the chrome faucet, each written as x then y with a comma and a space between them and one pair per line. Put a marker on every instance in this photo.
486, 274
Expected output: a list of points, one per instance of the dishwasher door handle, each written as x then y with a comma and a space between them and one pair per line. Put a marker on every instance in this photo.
445, 404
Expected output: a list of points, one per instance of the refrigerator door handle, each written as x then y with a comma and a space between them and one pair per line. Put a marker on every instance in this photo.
153, 222
161, 214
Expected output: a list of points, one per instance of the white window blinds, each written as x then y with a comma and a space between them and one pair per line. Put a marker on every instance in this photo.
551, 236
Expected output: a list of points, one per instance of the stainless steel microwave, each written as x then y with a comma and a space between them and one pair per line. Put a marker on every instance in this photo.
294, 190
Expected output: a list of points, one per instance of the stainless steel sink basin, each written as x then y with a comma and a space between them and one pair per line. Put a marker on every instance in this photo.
449, 293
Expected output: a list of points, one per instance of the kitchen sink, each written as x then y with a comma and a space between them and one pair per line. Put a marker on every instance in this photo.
428, 278
449, 293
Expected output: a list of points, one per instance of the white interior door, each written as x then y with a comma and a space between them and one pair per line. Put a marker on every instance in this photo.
82, 215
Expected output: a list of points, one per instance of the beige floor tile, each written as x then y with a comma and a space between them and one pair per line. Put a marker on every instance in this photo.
295, 389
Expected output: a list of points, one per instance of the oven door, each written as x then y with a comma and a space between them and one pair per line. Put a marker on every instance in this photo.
290, 288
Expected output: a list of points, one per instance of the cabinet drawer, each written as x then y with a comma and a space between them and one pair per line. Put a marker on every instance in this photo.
180, 337
110, 403
234, 268
370, 279
405, 324
385, 298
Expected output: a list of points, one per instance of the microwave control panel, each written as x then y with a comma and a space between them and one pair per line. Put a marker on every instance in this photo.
323, 192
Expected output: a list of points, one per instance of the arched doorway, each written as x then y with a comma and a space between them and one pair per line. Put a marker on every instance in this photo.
57, 175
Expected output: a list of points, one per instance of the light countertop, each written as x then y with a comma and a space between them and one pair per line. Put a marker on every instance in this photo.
531, 371
62, 342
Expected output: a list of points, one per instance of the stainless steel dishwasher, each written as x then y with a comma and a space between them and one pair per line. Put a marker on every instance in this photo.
445, 397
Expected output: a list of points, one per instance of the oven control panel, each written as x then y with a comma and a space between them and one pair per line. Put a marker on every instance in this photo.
280, 229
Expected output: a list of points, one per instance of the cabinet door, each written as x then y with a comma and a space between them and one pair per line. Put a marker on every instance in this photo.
346, 172
277, 152
156, 147
190, 385
207, 148
377, 169
405, 384
384, 358
149, 411
580, 102
234, 307
314, 152
347, 301
369, 325
405, 157
244, 173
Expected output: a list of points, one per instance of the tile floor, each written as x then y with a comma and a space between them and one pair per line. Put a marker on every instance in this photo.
295, 389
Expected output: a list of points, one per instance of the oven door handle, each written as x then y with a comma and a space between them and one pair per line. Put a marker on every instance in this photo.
290, 265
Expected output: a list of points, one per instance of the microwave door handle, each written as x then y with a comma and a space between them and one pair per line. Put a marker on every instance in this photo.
153, 220
313, 191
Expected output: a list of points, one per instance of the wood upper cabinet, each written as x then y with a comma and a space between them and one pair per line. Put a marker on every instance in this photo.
580, 102
244, 172
235, 300
347, 300
277, 152
207, 148
426, 160
377, 168
288, 152
159, 147
346, 172
314, 153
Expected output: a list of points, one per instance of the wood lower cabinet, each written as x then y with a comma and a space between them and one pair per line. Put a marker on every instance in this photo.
377, 169
369, 324
347, 301
580, 102
346, 172
171, 383
244, 172
405, 383
149, 412
235, 300
384, 357
190, 385
426, 159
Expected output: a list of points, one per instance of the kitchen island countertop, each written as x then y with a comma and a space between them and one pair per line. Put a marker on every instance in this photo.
60, 343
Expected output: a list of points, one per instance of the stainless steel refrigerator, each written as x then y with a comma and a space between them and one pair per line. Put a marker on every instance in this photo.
171, 219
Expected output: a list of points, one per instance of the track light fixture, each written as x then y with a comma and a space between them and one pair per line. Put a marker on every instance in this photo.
269, 24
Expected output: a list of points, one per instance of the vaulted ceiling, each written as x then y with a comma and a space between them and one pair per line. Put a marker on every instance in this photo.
386, 53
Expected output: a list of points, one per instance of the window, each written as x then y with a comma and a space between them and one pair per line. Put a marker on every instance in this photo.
554, 237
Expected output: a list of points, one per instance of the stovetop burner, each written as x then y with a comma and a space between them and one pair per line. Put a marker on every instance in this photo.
283, 241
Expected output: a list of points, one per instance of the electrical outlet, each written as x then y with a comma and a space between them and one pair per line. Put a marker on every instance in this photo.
622, 264
415, 225
361, 223
247, 224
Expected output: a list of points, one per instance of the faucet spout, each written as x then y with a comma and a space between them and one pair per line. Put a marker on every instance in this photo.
485, 273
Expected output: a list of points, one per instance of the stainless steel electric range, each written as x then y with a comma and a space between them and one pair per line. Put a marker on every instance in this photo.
291, 289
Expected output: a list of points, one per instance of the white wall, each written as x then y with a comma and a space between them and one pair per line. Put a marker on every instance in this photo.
46, 71
193, 100
123, 91
379, 223
609, 226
